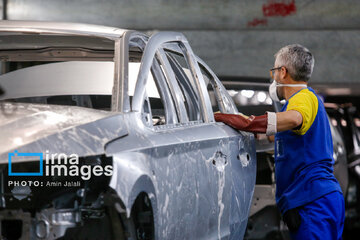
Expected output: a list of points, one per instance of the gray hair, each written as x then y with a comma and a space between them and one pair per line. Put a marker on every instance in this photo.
298, 61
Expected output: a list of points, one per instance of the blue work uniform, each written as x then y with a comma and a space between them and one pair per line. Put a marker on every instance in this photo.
304, 170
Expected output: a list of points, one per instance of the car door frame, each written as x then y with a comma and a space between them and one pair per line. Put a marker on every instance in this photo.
152, 50
185, 128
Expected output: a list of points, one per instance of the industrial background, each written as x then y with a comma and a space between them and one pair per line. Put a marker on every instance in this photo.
238, 40
243, 34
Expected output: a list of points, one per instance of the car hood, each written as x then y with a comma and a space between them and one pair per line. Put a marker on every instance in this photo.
57, 129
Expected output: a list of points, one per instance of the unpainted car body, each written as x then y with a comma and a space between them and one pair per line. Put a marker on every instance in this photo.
176, 173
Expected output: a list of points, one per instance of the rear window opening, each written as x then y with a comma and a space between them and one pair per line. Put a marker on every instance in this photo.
74, 83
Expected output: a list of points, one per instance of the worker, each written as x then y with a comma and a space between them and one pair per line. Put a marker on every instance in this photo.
307, 194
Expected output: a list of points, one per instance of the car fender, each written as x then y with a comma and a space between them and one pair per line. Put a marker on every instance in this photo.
131, 176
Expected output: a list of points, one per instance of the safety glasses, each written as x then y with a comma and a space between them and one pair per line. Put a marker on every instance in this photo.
272, 71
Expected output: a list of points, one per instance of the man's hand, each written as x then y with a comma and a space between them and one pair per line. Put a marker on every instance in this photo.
270, 123
254, 124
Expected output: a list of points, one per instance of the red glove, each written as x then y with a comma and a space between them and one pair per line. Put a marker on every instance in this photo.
254, 124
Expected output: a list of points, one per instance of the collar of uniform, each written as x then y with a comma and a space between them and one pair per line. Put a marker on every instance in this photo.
296, 93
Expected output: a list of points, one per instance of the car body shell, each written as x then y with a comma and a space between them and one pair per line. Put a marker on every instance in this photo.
199, 175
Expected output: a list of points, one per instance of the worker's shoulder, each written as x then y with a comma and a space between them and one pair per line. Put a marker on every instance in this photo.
303, 96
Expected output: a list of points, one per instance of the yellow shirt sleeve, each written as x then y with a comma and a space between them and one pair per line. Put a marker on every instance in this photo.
306, 103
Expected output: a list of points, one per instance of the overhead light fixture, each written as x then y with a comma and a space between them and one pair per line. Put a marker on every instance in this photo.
232, 93
338, 91
261, 97
247, 93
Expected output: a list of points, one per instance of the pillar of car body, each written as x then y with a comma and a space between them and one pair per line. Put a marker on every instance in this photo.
154, 47
170, 111
219, 90
174, 87
205, 102
119, 100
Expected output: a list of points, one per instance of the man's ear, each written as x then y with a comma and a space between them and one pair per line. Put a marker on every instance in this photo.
283, 72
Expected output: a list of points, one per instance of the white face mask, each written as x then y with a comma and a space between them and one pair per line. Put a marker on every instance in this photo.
272, 89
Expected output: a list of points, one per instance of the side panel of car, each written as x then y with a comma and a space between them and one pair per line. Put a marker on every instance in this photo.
242, 159
192, 182
198, 152
243, 176
202, 172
